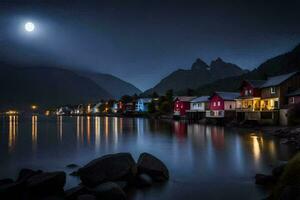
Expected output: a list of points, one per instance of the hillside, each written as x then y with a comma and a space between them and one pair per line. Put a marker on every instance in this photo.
45, 86
199, 74
115, 86
281, 64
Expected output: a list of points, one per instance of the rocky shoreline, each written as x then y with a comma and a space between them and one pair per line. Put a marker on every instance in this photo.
108, 178
287, 135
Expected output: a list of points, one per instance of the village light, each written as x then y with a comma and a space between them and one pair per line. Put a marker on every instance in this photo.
33, 107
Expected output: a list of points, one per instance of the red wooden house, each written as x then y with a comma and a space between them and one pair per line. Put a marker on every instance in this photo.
221, 103
181, 105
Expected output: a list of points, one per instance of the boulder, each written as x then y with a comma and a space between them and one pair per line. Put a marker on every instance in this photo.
109, 191
122, 184
143, 180
86, 197
262, 179
25, 174
73, 193
46, 183
152, 166
113, 167
11, 190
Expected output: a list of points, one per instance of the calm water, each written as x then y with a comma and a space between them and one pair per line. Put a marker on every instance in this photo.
204, 161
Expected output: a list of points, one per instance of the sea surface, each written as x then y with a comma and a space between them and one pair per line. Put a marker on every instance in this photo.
205, 162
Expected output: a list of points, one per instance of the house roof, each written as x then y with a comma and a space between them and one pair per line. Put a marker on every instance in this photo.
145, 100
277, 80
256, 83
201, 99
228, 95
185, 98
294, 93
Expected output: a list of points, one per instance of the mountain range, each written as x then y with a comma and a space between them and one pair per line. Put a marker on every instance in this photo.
52, 86
199, 74
223, 76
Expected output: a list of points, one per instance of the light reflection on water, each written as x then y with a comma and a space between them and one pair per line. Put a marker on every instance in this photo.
207, 161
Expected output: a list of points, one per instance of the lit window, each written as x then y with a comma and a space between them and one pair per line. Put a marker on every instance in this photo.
219, 103
246, 92
250, 91
273, 90
214, 103
292, 100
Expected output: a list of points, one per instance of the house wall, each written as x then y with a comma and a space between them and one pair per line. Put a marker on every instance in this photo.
254, 91
181, 107
198, 106
294, 100
213, 103
282, 90
229, 105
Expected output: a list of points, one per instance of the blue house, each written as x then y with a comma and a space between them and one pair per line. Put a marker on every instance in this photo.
142, 104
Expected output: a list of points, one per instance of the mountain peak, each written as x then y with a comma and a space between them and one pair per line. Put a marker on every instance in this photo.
199, 64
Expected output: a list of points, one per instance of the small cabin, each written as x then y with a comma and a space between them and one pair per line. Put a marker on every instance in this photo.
198, 107
181, 105
222, 104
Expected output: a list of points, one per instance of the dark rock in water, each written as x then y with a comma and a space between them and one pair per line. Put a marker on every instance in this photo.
144, 180
12, 190
290, 193
73, 193
72, 165
86, 197
6, 181
152, 166
262, 179
25, 174
74, 173
277, 171
122, 184
120, 166
46, 183
109, 191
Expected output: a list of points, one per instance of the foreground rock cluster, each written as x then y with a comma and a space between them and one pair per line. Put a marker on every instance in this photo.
284, 182
105, 178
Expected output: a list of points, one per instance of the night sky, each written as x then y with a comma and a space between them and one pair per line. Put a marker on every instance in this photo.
143, 41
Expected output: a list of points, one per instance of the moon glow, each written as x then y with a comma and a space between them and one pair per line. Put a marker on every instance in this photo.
29, 27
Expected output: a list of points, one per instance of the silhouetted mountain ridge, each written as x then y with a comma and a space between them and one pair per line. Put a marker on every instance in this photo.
200, 73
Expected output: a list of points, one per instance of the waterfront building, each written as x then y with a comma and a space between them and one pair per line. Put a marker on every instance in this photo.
222, 105
198, 107
142, 104
268, 104
181, 105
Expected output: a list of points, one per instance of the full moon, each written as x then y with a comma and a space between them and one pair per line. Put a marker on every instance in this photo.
29, 27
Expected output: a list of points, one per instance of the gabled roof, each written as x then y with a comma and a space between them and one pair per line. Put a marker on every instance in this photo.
145, 100
277, 80
256, 83
185, 98
228, 95
294, 93
201, 99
